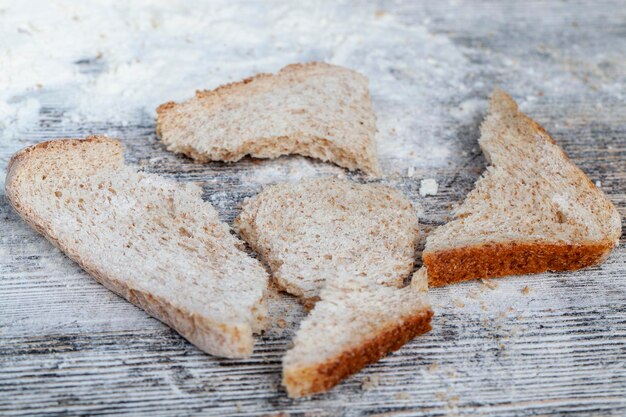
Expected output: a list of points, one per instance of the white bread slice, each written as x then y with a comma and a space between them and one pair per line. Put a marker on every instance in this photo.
151, 240
354, 324
313, 231
532, 211
315, 109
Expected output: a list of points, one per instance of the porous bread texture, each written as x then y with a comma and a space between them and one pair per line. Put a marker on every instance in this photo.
354, 324
532, 210
151, 240
317, 230
315, 109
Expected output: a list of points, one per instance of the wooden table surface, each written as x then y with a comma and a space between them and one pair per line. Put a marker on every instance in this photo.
69, 346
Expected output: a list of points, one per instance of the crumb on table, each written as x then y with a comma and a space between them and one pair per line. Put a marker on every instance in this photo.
370, 382
428, 186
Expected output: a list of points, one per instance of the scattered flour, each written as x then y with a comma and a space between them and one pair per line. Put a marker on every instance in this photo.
115, 62
292, 168
469, 109
428, 187
16, 116
111, 64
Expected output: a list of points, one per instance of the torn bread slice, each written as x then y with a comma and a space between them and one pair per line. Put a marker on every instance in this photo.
315, 109
313, 231
533, 210
151, 240
354, 324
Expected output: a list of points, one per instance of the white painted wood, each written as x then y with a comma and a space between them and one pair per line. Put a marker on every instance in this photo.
69, 346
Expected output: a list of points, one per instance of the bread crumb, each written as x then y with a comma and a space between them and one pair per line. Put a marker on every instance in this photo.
410, 172
428, 186
489, 283
370, 382
441, 395
419, 281
282, 323
458, 303
380, 13
433, 367
473, 294
402, 396
526, 290
598, 184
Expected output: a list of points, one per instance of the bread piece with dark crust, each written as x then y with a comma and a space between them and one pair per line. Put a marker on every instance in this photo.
354, 324
347, 247
532, 211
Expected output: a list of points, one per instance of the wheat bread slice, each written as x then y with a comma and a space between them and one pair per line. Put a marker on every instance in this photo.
354, 324
347, 247
151, 240
532, 211
314, 231
315, 109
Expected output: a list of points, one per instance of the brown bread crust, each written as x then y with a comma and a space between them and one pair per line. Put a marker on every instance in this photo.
305, 381
498, 260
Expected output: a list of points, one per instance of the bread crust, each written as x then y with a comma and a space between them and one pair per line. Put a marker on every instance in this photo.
232, 341
309, 380
53, 144
498, 260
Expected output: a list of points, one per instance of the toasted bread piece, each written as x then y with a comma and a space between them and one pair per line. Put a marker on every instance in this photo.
317, 110
348, 247
354, 324
313, 231
151, 240
532, 211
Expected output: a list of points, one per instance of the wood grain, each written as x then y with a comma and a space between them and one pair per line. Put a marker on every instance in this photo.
68, 346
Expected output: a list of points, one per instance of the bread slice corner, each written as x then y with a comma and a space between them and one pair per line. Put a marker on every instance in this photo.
532, 211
